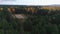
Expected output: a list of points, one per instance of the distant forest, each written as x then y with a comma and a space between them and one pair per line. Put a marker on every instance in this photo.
41, 20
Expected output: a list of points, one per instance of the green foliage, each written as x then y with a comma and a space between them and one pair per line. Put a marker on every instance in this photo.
34, 24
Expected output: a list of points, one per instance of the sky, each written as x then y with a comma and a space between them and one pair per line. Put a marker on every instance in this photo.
29, 2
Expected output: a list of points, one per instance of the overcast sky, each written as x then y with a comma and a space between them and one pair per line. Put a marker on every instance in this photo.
29, 2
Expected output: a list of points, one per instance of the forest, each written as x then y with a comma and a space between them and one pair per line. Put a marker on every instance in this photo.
39, 21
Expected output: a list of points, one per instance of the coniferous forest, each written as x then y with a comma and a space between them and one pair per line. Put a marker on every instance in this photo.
36, 20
